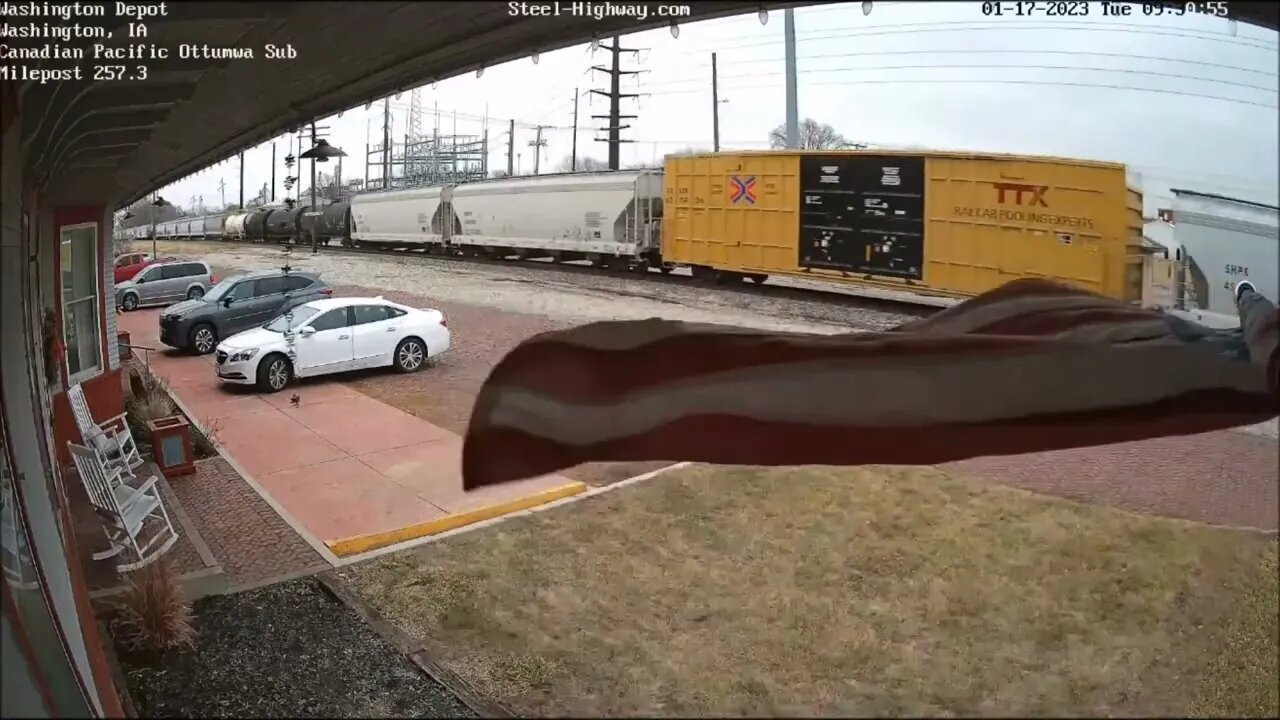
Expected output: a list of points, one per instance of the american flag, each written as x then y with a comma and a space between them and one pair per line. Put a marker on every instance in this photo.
1027, 367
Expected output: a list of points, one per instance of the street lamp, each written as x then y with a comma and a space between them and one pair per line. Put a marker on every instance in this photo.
157, 203
320, 152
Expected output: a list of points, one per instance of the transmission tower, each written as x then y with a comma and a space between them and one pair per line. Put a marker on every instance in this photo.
413, 133
615, 127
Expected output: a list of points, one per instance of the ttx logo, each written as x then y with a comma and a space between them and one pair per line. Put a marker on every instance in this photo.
1034, 193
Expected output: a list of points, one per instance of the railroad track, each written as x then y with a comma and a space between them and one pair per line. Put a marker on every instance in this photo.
832, 297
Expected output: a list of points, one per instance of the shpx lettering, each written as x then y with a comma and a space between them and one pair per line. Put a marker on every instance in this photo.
1036, 193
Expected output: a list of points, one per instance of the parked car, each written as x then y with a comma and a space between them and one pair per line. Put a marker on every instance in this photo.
238, 303
131, 264
164, 283
333, 335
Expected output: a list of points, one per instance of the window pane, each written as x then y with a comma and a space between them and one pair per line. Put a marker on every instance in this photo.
30, 608
269, 286
80, 299
370, 313
331, 320
297, 283
80, 263
80, 321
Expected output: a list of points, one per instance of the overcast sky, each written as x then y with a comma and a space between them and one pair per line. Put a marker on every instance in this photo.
1191, 102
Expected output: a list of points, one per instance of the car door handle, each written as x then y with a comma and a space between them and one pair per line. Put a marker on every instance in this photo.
392, 329
343, 337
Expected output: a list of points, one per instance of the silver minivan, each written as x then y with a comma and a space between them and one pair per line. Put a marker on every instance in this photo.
165, 283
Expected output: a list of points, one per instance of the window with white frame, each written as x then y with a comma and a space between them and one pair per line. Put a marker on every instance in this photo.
80, 325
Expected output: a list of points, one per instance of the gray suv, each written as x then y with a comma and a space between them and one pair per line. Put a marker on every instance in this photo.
238, 303
165, 283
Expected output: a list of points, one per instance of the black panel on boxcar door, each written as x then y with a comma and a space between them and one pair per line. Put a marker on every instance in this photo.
863, 214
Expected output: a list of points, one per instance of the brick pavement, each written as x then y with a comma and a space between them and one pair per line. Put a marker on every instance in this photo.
245, 534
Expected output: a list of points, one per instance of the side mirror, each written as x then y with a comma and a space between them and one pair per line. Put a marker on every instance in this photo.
307, 331
140, 279
226, 302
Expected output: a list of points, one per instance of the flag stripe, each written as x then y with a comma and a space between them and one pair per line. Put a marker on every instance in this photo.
914, 393
1030, 366
497, 454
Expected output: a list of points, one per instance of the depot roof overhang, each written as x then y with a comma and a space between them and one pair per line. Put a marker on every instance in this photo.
94, 141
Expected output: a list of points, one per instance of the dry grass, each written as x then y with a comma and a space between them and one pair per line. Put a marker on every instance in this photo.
152, 614
877, 591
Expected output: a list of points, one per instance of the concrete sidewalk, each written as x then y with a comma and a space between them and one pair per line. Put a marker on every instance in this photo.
355, 473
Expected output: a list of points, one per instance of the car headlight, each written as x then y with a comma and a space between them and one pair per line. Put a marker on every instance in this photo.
243, 355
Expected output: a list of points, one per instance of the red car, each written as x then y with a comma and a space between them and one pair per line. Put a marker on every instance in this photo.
131, 264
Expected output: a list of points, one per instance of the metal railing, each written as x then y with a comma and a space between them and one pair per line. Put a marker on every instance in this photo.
146, 352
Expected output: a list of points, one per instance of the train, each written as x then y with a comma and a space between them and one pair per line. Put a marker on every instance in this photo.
267, 224
942, 224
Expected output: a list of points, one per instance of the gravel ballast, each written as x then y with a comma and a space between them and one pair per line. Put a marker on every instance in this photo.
286, 650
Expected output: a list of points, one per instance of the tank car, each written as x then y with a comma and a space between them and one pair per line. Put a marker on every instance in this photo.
282, 225
233, 226
255, 225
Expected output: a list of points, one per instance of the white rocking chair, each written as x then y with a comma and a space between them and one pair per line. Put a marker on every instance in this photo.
111, 439
124, 510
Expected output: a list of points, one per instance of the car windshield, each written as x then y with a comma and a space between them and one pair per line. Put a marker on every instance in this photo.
217, 292
283, 323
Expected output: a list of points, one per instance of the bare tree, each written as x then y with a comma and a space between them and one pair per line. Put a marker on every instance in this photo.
585, 164
813, 136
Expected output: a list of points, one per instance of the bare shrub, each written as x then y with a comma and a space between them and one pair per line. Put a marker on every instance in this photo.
153, 614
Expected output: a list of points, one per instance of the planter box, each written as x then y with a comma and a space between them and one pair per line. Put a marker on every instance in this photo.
171, 445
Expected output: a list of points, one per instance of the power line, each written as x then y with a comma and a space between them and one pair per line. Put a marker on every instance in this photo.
988, 66
1088, 53
993, 82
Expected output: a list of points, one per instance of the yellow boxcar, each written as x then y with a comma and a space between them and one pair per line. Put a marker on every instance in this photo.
937, 223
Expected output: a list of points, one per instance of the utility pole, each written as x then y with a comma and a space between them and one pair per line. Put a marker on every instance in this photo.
793, 115
386, 144
715, 106
273, 173
537, 144
222, 190
573, 159
511, 149
615, 96
224, 200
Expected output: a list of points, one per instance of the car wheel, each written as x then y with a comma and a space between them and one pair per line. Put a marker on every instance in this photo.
203, 339
129, 303
274, 373
195, 293
411, 355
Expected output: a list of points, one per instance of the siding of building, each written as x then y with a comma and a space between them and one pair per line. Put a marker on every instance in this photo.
107, 249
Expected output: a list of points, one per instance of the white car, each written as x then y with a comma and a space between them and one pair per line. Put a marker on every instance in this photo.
329, 336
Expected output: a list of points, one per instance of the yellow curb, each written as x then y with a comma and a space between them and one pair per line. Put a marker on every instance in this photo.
373, 541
